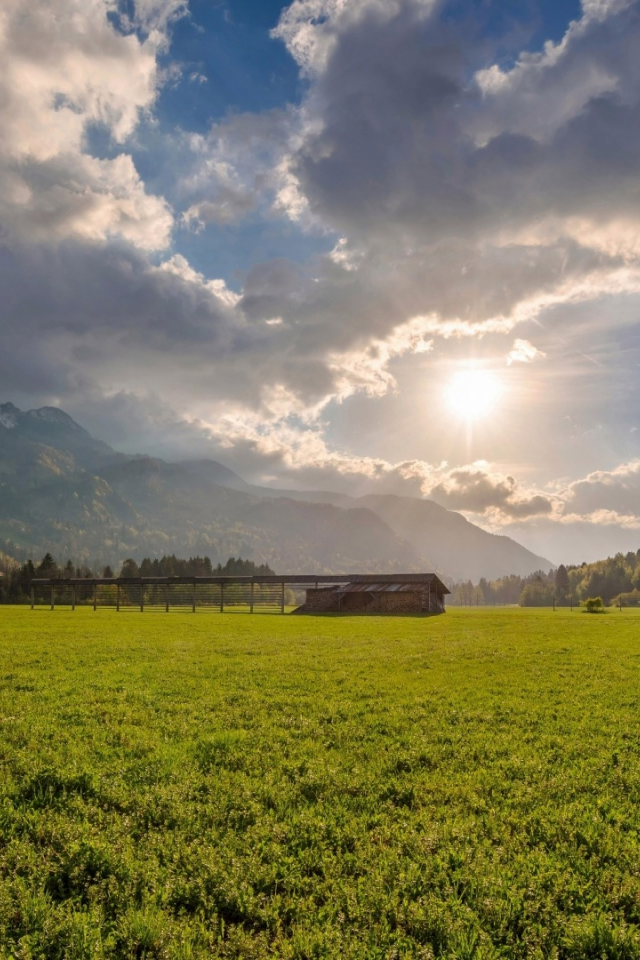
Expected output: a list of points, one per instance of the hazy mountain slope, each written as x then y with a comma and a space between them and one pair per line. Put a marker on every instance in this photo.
461, 548
60, 490
217, 473
213, 472
453, 545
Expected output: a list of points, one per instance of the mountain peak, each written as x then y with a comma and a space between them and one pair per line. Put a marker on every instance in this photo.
9, 415
50, 427
53, 415
12, 416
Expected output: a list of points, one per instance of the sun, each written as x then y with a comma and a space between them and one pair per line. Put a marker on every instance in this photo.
473, 394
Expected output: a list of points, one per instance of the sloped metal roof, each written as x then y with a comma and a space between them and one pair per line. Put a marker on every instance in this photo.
399, 586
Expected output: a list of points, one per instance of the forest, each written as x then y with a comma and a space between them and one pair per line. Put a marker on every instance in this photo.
15, 578
616, 580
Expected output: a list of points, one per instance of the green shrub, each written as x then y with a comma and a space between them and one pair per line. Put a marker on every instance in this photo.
594, 605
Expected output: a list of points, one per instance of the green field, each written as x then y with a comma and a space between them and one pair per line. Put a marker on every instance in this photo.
255, 786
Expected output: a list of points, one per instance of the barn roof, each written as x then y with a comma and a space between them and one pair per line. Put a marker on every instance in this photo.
404, 583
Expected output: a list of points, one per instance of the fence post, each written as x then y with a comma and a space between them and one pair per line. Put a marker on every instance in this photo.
73, 596
166, 597
33, 596
193, 597
141, 597
282, 599
117, 598
53, 591
95, 596
221, 597
251, 600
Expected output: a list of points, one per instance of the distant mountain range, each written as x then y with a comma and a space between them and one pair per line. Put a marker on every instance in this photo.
65, 492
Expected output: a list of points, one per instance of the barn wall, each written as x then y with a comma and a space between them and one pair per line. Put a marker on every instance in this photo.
320, 600
401, 602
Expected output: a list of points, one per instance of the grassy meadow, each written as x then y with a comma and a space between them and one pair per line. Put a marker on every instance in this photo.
181, 786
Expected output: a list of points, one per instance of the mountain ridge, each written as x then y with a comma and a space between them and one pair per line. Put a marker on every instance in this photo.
64, 491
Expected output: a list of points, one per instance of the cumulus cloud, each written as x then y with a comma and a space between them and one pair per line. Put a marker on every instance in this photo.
444, 209
606, 491
444, 213
66, 69
477, 489
397, 148
236, 167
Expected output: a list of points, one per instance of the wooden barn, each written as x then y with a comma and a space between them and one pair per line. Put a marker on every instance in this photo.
405, 593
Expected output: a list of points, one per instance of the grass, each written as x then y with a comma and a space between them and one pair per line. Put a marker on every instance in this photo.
182, 786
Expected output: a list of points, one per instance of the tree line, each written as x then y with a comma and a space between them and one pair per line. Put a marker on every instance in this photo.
15, 579
616, 580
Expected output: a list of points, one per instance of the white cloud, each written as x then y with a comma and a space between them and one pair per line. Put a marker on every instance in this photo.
65, 69
523, 352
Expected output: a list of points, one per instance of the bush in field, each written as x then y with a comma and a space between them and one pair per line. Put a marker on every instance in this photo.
594, 605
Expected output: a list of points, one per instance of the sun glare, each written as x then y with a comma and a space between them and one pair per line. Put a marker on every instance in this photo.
473, 394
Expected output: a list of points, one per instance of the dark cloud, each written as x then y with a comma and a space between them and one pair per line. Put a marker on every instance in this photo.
407, 147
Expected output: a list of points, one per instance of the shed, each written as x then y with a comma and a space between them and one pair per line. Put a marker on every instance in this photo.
410, 593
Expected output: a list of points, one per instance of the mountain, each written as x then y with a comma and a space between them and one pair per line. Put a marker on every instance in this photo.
463, 549
50, 428
65, 492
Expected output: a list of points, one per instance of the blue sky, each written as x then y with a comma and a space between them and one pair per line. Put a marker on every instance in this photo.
365, 246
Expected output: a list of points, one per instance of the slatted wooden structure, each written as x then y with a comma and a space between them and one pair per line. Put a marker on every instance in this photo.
214, 593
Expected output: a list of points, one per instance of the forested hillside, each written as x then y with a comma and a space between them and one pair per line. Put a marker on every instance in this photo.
616, 580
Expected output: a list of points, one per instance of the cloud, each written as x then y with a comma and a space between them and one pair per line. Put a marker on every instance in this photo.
68, 69
236, 167
523, 352
443, 210
477, 489
606, 492
398, 153
312, 29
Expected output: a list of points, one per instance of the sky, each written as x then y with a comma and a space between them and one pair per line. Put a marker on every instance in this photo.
358, 245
